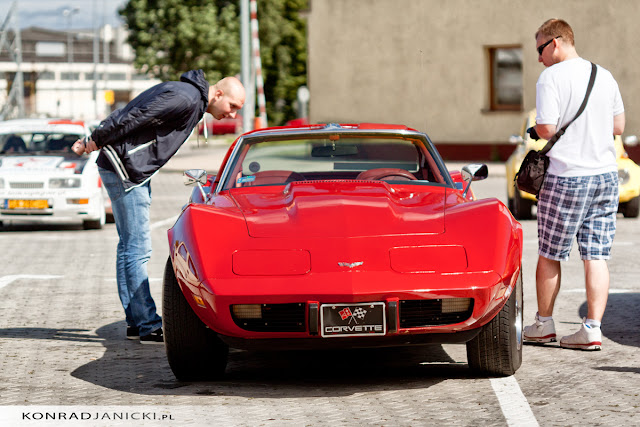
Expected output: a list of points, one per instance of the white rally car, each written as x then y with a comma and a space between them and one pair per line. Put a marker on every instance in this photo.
43, 180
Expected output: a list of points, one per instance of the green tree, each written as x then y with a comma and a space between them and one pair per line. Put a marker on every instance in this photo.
170, 37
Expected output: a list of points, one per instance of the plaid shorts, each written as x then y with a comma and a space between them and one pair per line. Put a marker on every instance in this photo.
584, 207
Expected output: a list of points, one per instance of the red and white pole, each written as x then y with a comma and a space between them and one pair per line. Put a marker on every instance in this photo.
255, 43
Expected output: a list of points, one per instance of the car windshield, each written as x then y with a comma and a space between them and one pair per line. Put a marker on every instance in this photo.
35, 143
396, 160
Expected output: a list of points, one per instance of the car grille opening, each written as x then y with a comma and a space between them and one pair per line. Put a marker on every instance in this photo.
434, 312
270, 317
26, 185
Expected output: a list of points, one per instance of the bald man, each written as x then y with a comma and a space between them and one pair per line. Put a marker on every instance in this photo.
135, 142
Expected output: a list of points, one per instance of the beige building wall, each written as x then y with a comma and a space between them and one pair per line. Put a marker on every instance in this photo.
424, 63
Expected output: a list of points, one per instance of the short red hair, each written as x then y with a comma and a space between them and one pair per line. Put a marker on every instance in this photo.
556, 28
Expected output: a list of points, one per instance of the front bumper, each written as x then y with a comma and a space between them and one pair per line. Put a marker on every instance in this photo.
487, 291
355, 342
72, 206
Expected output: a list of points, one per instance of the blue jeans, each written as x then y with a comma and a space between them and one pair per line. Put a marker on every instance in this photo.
131, 214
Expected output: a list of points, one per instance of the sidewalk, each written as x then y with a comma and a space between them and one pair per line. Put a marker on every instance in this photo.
199, 155
209, 156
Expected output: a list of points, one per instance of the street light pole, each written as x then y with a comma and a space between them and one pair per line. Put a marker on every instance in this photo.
96, 58
68, 13
248, 110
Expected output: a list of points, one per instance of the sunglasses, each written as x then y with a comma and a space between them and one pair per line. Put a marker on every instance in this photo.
542, 46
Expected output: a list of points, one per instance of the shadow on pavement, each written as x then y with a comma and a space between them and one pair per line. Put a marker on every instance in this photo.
621, 322
616, 369
132, 367
6, 227
79, 335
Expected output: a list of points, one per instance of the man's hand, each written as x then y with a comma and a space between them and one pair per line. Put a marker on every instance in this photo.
78, 147
83, 145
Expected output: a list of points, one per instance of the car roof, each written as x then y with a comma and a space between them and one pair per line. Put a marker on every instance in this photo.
42, 125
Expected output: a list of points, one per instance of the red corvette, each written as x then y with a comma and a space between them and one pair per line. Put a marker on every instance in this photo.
325, 236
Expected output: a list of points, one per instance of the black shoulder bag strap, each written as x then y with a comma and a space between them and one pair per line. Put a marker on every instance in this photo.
555, 137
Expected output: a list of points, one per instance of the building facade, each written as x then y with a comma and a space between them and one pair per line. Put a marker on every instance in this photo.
464, 71
73, 74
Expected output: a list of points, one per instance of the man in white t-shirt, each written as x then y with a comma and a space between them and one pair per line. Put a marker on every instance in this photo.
579, 198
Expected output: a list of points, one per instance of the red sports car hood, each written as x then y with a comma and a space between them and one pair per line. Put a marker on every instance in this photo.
341, 209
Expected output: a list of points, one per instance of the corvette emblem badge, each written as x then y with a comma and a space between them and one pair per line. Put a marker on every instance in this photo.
350, 264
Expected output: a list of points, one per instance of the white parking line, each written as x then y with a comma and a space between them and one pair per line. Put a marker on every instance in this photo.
151, 279
164, 222
611, 291
5, 280
514, 405
615, 243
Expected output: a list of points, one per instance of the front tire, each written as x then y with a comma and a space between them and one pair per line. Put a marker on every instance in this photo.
497, 349
194, 351
96, 224
631, 209
92, 225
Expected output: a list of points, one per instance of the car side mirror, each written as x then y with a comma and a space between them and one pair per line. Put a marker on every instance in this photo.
473, 172
196, 177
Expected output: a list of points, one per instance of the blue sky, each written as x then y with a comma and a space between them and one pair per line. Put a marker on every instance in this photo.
49, 13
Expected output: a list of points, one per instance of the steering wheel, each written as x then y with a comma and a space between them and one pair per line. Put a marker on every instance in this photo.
382, 173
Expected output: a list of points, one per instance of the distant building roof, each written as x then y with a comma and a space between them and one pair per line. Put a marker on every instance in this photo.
33, 50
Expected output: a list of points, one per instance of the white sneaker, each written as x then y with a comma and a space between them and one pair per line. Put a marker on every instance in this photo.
585, 339
540, 331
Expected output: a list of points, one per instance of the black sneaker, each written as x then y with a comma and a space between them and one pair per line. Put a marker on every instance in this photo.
154, 337
133, 333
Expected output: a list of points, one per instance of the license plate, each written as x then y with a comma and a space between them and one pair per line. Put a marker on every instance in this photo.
27, 204
352, 320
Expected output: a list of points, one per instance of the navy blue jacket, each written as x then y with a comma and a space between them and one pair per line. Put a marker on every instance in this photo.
140, 138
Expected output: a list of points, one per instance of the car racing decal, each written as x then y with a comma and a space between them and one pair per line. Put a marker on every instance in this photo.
33, 164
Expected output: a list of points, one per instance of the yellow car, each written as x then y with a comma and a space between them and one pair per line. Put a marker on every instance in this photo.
521, 203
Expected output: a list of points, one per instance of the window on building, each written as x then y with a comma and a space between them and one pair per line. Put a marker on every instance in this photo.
116, 76
109, 76
46, 75
69, 76
140, 77
50, 49
505, 78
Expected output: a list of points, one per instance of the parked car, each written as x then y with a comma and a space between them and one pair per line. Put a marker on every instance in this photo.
335, 236
521, 203
220, 127
300, 121
43, 181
